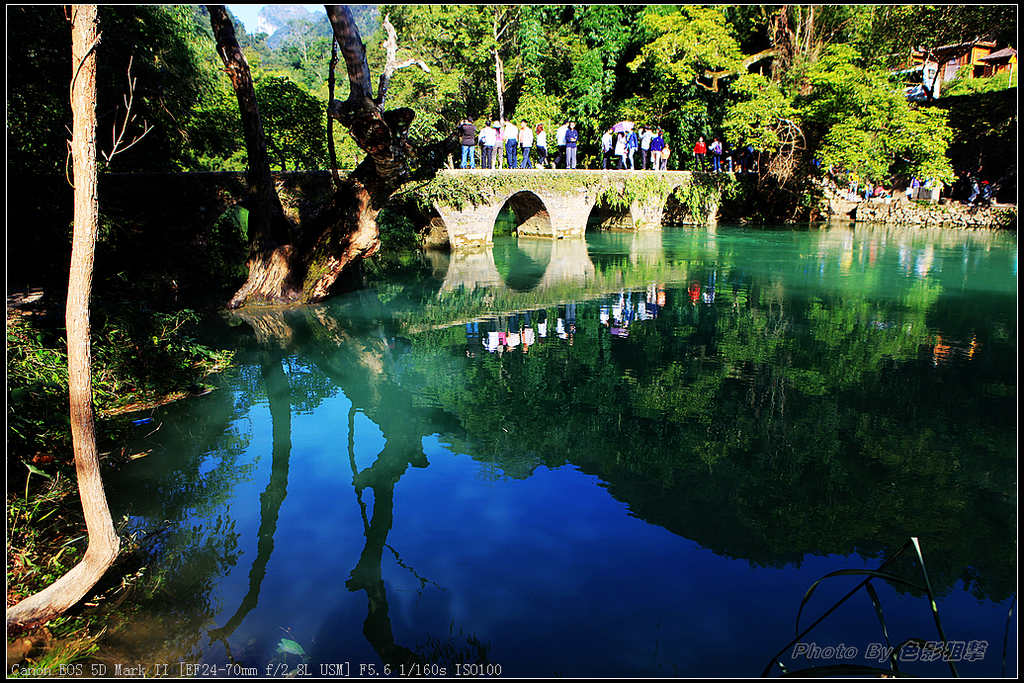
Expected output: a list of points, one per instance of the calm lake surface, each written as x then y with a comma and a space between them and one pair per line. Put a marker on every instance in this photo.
629, 456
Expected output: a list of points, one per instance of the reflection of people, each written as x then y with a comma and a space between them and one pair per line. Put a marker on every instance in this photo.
694, 291
493, 341
472, 338
542, 323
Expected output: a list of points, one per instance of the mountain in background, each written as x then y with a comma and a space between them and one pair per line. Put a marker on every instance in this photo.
284, 23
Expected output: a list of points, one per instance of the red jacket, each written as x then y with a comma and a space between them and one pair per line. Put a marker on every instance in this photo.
700, 148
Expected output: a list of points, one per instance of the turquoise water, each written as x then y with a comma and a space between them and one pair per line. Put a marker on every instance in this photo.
629, 456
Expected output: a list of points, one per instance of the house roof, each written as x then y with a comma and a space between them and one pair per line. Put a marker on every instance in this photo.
963, 46
1005, 53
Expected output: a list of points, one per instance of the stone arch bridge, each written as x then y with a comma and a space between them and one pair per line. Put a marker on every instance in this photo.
555, 203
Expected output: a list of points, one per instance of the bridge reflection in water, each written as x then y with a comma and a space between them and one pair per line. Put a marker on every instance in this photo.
516, 265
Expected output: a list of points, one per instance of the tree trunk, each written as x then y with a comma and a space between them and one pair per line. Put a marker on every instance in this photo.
103, 541
308, 269
347, 231
271, 271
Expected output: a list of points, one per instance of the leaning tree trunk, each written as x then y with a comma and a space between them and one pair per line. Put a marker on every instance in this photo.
308, 269
347, 231
271, 268
103, 541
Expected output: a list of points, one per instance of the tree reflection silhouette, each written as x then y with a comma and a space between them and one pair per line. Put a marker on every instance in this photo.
278, 391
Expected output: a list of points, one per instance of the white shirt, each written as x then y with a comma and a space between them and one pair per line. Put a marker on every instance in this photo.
542, 139
526, 137
645, 139
606, 142
511, 132
620, 145
488, 136
560, 135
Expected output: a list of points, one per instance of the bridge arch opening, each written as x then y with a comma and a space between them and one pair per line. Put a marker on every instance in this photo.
607, 218
523, 214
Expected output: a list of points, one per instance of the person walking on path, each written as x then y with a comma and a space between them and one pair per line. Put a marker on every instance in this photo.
657, 144
488, 138
606, 148
716, 155
560, 141
542, 146
646, 135
511, 144
572, 136
632, 143
665, 153
700, 154
467, 131
526, 143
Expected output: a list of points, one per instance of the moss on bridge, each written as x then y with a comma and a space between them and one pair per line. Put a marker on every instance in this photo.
701, 193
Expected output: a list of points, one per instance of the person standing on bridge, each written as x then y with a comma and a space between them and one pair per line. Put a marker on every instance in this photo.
542, 146
632, 143
488, 138
511, 144
572, 136
657, 144
560, 141
700, 151
646, 135
620, 150
526, 143
716, 155
606, 148
467, 131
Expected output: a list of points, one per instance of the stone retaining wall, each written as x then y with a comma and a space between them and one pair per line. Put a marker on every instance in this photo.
902, 211
955, 215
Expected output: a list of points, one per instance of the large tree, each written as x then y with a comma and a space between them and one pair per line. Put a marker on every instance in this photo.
103, 540
286, 265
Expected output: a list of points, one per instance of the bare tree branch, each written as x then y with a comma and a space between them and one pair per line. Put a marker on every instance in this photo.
391, 65
118, 137
744, 66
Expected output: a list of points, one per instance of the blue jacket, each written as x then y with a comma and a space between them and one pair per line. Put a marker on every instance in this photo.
571, 136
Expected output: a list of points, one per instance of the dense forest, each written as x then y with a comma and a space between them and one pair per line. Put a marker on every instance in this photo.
802, 84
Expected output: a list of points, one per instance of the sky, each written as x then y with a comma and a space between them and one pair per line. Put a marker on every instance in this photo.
247, 13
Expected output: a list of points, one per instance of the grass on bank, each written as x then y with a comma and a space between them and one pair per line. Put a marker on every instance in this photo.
140, 359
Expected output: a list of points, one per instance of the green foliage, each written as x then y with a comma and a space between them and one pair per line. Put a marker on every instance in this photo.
136, 357
294, 123
868, 127
963, 84
685, 43
755, 116
396, 228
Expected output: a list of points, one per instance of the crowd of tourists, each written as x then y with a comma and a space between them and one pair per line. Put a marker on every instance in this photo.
624, 146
